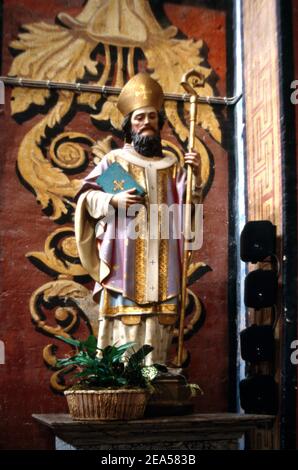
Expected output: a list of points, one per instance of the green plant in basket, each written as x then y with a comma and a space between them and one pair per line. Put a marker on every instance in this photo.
113, 367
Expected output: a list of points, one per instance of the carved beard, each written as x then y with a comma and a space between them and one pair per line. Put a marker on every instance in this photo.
147, 145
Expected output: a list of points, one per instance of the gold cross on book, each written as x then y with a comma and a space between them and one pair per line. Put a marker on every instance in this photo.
118, 185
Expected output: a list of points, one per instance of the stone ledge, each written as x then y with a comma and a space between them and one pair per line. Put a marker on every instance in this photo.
221, 430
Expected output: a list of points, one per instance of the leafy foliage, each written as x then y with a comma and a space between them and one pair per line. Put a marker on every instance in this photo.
110, 367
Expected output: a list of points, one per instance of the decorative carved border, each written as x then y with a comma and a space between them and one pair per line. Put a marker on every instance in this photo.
263, 133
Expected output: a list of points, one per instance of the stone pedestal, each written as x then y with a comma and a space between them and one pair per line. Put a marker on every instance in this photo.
189, 432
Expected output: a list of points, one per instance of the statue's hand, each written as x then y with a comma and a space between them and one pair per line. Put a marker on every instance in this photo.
127, 198
193, 159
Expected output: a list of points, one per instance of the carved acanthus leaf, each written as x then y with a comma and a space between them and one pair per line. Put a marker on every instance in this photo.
60, 254
65, 298
101, 148
109, 112
179, 56
51, 52
49, 183
89, 99
57, 309
23, 98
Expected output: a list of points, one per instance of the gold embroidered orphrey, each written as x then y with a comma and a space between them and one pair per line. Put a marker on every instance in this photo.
68, 52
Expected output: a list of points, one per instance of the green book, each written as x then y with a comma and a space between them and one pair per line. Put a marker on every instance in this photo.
115, 179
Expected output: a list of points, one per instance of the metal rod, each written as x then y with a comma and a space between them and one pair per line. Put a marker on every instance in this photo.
109, 90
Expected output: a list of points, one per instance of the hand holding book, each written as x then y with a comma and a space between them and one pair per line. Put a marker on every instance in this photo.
126, 198
118, 181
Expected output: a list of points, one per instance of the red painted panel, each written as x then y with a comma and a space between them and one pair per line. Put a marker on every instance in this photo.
24, 379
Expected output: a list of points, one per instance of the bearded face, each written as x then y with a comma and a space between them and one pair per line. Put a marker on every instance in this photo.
147, 145
142, 129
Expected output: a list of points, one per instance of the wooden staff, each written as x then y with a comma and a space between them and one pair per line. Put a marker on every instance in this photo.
190, 79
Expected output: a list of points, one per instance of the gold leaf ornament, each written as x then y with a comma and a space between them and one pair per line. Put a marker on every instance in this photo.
49, 52
195, 313
57, 380
101, 148
62, 301
67, 152
64, 297
23, 98
89, 99
60, 254
50, 184
114, 22
109, 112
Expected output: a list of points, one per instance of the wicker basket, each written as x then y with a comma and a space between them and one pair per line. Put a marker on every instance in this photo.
107, 404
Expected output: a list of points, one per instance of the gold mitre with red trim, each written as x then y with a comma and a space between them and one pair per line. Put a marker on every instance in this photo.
140, 91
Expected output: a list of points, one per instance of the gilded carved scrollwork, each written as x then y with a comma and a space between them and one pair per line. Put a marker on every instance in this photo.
66, 151
100, 148
64, 296
101, 45
53, 52
58, 309
194, 308
60, 254
50, 184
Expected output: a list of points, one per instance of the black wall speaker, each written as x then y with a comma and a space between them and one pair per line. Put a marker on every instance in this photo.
258, 394
257, 343
257, 241
260, 289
